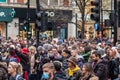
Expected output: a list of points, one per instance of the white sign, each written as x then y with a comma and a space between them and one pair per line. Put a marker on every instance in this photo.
50, 14
2, 14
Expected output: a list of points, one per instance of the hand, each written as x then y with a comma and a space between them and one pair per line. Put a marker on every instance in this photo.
37, 61
51, 76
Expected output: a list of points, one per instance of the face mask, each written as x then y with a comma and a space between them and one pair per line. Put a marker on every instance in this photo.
45, 75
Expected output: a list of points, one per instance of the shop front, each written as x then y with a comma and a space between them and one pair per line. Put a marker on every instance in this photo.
6, 16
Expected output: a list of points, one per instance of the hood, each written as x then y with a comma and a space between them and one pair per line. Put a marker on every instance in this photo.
24, 51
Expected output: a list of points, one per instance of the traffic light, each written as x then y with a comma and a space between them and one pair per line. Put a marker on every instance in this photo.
44, 21
95, 10
25, 25
29, 34
41, 21
38, 20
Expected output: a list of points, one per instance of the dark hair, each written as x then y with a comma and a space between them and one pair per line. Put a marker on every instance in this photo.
97, 53
87, 49
89, 68
67, 51
57, 65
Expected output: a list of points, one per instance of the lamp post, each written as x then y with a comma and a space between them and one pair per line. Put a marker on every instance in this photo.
115, 22
37, 26
28, 22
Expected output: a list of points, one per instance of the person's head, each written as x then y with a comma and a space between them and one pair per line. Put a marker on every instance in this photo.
94, 44
87, 68
74, 52
32, 49
96, 56
71, 62
11, 49
65, 53
118, 48
40, 49
111, 52
48, 69
14, 68
114, 53
57, 65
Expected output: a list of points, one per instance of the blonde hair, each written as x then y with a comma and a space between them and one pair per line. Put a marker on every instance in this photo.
32, 47
16, 66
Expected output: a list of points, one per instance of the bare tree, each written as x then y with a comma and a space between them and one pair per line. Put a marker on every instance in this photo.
82, 4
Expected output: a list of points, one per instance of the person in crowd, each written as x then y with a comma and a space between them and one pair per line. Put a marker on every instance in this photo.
99, 66
58, 73
32, 52
65, 55
24, 60
4, 54
39, 57
113, 63
88, 72
73, 71
12, 54
15, 71
93, 45
3, 70
86, 54
48, 69
118, 48
79, 58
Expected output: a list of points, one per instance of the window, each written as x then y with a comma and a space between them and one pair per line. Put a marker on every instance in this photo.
17, 1
65, 2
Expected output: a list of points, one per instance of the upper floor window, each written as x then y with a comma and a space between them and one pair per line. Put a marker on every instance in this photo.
17, 1
65, 2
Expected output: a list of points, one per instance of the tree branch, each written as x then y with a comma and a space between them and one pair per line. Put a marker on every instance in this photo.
87, 14
79, 6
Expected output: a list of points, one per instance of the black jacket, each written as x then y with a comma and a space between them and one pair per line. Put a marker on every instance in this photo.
24, 60
60, 75
100, 70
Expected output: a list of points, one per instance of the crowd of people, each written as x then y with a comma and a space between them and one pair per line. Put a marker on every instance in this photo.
68, 59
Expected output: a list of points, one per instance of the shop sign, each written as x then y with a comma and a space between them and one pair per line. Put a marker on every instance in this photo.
6, 14
3, 1
64, 15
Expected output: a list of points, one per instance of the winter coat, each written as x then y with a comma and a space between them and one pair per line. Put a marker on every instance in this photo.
76, 73
60, 75
24, 60
40, 57
89, 77
65, 63
113, 67
3, 73
17, 77
86, 56
100, 70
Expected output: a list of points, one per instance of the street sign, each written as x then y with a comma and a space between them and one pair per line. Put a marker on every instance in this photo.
6, 14
3, 1
96, 26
